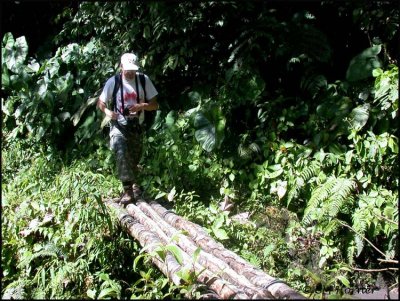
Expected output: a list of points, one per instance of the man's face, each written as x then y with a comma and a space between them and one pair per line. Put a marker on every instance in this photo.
129, 74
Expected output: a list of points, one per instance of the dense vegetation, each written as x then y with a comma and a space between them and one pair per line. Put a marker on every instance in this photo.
288, 111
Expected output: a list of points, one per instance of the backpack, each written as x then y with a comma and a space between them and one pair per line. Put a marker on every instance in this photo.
149, 115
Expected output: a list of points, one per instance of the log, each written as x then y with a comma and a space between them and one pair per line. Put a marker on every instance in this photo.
275, 288
149, 240
212, 263
223, 288
170, 267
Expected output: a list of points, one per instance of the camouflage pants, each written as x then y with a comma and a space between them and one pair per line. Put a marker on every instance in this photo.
128, 150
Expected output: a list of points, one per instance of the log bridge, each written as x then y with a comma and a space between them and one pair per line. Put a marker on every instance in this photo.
223, 272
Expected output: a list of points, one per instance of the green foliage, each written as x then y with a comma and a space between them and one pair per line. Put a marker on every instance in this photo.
328, 199
252, 111
377, 213
13, 54
209, 128
58, 235
46, 98
386, 92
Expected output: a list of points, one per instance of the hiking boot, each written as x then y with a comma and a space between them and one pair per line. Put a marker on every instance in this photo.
127, 197
137, 192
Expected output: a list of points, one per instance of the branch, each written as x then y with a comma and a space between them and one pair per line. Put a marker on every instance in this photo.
385, 218
388, 260
347, 226
373, 270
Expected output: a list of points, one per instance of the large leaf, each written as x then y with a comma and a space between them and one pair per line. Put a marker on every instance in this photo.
170, 119
176, 252
220, 233
6, 46
14, 53
70, 53
89, 102
209, 127
5, 78
362, 65
63, 83
359, 116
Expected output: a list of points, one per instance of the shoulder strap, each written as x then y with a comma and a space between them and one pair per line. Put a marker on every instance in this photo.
143, 83
117, 83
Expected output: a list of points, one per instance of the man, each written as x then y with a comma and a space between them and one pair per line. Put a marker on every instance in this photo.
126, 133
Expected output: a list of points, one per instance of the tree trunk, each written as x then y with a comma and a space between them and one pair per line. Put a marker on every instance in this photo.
274, 287
204, 275
170, 267
225, 273
149, 240
214, 264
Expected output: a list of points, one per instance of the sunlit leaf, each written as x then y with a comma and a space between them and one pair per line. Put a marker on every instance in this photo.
273, 171
107, 292
176, 252
64, 116
91, 293
359, 116
171, 194
33, 67
219, 221
344, 281
16, 53
220, 233
209, 127
5, 78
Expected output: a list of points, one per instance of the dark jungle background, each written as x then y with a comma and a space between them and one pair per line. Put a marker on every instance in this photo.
288, 110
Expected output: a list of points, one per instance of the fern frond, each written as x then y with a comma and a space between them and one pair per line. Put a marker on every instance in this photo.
238, 235
57, 284
243, 152
329, 198
49, 250
310, 171
331, 226
318, 196
38, 294
255, 148
350, 253
53, 248
247, 151
305, 175
340, 193
361, 222
25, 258
294, 190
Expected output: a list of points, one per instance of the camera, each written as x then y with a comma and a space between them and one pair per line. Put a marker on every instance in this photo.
126, 112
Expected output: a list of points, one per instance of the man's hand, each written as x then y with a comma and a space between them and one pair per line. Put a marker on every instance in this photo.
145, 106
136, 107
110, 114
